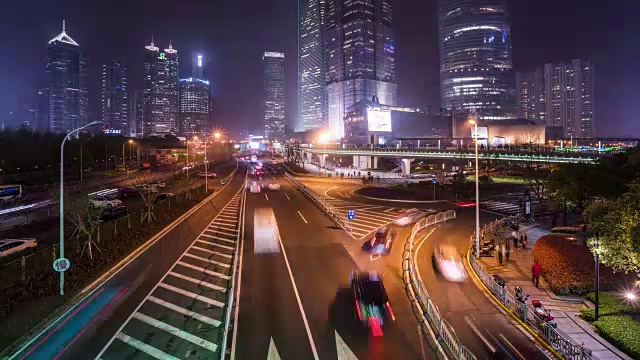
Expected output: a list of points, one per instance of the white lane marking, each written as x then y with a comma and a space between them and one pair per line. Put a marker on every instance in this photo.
219, 232
215, 244
185, 312
415, 256
287, 196
207, 260
471, 322
223, 226
266, 197
344, 352
389, 210
228, 221
119, 331
274, 179
239, 282
147, 349
272, 354
192, 295
367, 222
198, 282
295, 290
175, 331
305, 220
208, 272
235, 218
212, 252
219, 238
329, 189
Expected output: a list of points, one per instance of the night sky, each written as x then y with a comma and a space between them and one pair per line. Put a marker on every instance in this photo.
233, 34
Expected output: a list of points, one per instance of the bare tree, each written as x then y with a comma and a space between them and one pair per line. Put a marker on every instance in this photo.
148, 193
85, 218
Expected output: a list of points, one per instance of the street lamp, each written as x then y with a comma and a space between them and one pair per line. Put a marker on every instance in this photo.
597, 251
124, 166
475, 124
62, 196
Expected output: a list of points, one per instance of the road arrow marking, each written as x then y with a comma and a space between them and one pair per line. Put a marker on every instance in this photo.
273, 352
344, 353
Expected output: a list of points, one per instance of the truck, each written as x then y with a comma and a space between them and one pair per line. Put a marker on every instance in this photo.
265, 231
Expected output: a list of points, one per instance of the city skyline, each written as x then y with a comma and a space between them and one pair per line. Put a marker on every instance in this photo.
533, 44
274, 96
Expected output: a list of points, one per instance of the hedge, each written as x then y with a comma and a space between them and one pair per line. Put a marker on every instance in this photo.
569, 267
622, 332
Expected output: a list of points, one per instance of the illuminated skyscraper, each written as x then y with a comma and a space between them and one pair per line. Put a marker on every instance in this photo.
195, 101
274, 100
360, 56
161, 91
311, 66
115, 114
66, 87
475, 58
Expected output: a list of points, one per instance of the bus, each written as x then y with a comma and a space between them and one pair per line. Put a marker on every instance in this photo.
265, 231
10, 193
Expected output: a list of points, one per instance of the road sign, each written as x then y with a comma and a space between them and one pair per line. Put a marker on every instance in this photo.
61, 265
351, 214
434, 181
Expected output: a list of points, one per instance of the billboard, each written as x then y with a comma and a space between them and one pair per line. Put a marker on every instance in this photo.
254, 145
379, 120
483, 132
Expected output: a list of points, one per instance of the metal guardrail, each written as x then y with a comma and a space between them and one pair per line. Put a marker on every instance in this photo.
524, 312
230, 176
437, 331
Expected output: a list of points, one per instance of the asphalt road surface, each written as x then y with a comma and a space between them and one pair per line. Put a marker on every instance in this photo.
163, 302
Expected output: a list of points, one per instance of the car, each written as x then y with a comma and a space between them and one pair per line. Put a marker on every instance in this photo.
11, 246
254, 188
129, 192
113, 213
381, 241
162, 196
274, 186
104, 202
371, 301
450, 173
423, 176
469, 172
207, 174
409, 216
160, 184
448, 263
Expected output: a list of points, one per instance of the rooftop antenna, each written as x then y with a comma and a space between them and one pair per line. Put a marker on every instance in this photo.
63, 25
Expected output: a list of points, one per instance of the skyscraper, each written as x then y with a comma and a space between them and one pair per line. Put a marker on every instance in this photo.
115, 113
197, 66
136, 113
311, 66
161, 91
195, 101
274, 120
475, 58
360, 56
561, 95
67, 84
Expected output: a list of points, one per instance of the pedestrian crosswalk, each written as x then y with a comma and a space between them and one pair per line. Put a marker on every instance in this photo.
507, 207
183, 315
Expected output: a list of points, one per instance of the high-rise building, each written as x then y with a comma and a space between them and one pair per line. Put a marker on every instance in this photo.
475, 58
274, 120
197, 68
161, 91
311, 66
359, 57
115, 113
136, 113
67, 84
560, 95
194, 107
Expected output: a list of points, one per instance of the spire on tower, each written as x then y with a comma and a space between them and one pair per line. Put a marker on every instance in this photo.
63, 26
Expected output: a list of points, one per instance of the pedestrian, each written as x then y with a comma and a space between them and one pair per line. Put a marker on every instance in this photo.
536, 270
514, 237
500, 254
525, 240
507, 251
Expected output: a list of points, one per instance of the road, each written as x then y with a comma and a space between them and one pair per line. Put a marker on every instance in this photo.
166, 300
298, 301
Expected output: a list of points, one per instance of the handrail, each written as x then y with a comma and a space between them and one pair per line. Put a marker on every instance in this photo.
551, 336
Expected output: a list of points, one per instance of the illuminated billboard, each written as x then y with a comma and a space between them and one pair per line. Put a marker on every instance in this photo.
379, 120
254, 145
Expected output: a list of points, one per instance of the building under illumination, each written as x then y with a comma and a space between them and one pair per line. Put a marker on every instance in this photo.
115, 113
161, 91
475, 58
194, 107
274, 97
360, 57
66, 87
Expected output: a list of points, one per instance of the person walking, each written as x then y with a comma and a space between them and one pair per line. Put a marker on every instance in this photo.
536, 270
500, 254
525, 240
514, 237
507, 251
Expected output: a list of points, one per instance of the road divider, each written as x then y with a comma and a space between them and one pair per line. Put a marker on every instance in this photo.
438, 333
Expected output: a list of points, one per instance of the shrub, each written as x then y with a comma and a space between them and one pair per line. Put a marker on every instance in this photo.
565, 229
621, 331
569, 267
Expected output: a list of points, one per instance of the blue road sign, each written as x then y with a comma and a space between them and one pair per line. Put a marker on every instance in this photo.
351, 214
434, 181
61, 265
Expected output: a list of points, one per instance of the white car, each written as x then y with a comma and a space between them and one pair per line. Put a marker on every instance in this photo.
207, 174
104, 201
449, 263
423, 176
274, 186
409, 216
10, 246
254, 188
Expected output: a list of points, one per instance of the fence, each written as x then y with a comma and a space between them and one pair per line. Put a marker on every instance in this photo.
20, 269
437, 331
553, 337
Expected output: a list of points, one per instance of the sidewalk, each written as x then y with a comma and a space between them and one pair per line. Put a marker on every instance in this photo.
517, 272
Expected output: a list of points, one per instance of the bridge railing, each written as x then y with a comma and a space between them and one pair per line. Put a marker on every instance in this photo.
524, 312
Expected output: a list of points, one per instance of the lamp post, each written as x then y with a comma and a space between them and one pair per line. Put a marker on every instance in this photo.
124, 166
62, 196
474, 122
597, 248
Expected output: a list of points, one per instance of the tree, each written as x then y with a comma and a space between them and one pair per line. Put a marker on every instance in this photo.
535, 174
576, 186
85, 218
148, 193
618, 225
459, 185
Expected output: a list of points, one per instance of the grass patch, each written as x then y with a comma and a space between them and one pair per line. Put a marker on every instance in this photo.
502, 179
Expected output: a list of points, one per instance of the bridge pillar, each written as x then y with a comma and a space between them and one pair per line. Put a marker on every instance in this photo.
323, 160
406, 166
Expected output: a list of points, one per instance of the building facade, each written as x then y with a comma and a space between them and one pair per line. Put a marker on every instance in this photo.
66, 87
359, 57
311, 66
194, 107
560, 96
136, 113
274, 96
161, 91
115, 113
476, 69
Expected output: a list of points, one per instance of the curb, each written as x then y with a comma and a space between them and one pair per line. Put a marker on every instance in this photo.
395, 200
